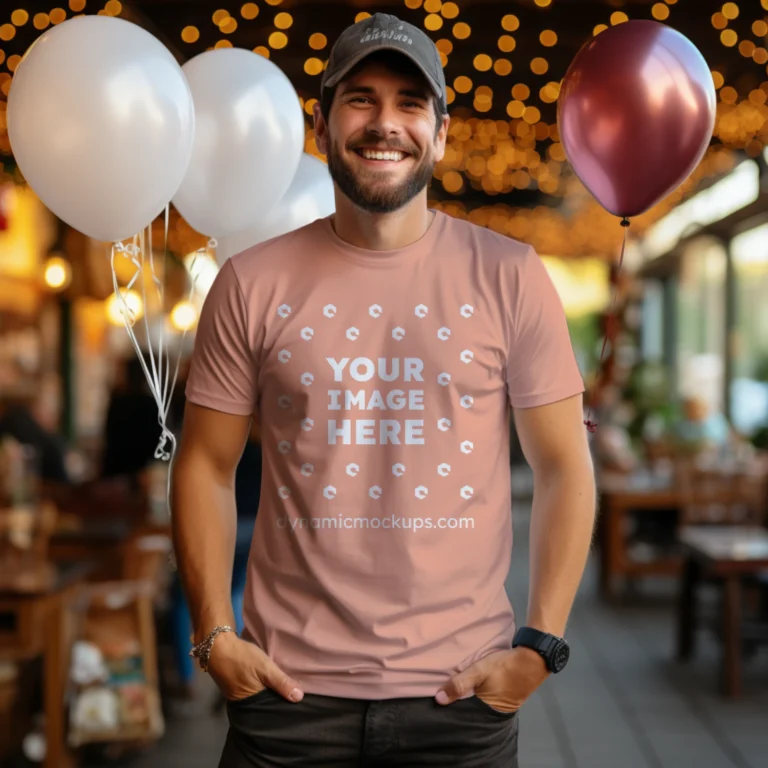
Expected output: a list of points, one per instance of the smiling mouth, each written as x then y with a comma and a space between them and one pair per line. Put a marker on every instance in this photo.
385, 155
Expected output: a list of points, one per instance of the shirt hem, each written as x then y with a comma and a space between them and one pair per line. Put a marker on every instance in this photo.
219, 404
547, 398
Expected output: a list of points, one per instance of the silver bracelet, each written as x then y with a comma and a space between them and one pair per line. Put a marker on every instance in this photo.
202, 651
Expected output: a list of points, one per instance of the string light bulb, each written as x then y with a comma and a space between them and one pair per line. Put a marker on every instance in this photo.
58, 273
115, 307
183, 316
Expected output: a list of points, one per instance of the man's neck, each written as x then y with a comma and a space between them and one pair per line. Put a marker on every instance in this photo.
381, 231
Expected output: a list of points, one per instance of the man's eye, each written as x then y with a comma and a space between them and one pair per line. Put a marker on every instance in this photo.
410, 104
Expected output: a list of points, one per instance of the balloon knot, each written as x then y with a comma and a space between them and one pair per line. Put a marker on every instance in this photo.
591, 425
625, 222
160, 451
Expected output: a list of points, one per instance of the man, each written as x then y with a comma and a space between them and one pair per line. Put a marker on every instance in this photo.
382, 348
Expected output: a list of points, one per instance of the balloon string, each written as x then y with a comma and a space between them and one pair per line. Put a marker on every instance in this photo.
610, 331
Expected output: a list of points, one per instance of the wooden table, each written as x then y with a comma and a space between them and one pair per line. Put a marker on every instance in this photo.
620, 495
35, 601
728, 553
98, 541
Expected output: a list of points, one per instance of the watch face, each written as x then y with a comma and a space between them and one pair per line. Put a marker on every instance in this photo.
560, 656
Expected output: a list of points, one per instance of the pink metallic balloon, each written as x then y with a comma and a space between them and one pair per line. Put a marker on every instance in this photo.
636, 114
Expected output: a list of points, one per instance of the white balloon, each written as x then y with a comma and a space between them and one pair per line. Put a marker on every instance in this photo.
101, 123
248, 141
309, 197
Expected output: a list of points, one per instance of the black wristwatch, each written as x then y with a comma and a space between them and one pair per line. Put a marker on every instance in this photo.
554, 650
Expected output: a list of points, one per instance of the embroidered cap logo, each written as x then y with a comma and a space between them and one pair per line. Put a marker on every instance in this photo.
380, 33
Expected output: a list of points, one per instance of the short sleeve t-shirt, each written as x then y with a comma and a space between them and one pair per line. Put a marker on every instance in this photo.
383, 382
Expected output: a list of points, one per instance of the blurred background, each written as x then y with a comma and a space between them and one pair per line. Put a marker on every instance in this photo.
669, 633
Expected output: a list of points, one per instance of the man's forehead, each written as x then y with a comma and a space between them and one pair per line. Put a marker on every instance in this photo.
375, 77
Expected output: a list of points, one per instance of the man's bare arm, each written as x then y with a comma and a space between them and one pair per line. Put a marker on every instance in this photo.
204, 519
204, 516
554, 441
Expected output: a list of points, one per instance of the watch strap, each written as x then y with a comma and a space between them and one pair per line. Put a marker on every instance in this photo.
541, 642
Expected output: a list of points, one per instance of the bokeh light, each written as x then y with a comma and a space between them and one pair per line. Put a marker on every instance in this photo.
283, 20
249, 11
278, 40
461, 31
482, 62
507, 43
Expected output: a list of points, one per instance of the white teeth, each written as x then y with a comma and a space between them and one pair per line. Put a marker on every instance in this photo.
370, 154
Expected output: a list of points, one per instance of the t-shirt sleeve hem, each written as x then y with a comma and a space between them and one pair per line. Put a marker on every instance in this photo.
234, 407
548, 397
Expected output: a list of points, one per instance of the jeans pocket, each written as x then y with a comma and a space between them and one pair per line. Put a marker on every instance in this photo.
264, 693
488, 709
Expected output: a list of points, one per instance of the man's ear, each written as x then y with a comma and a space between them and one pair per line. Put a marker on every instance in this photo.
441, 138
321, 129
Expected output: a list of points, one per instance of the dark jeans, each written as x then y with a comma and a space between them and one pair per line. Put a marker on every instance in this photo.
328, 732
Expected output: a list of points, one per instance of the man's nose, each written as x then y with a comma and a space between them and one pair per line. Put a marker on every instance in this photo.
384, 122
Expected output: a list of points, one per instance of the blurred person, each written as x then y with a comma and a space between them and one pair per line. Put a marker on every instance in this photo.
701, 428
396, 644
132, 430
28, 420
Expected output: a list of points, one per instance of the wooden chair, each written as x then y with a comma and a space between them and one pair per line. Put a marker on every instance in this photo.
720, 496
714, 496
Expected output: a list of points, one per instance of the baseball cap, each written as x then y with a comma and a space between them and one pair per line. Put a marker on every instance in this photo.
384, 32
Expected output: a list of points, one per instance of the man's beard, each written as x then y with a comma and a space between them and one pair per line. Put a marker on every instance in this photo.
377, 197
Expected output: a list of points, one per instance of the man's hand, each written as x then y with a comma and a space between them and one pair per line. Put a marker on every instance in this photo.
242, 669
504, 680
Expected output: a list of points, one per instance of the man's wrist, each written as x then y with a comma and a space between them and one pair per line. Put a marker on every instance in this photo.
207, 626
202, 651
532, 657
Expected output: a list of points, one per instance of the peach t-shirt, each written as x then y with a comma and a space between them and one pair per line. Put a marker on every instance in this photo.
383, 382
